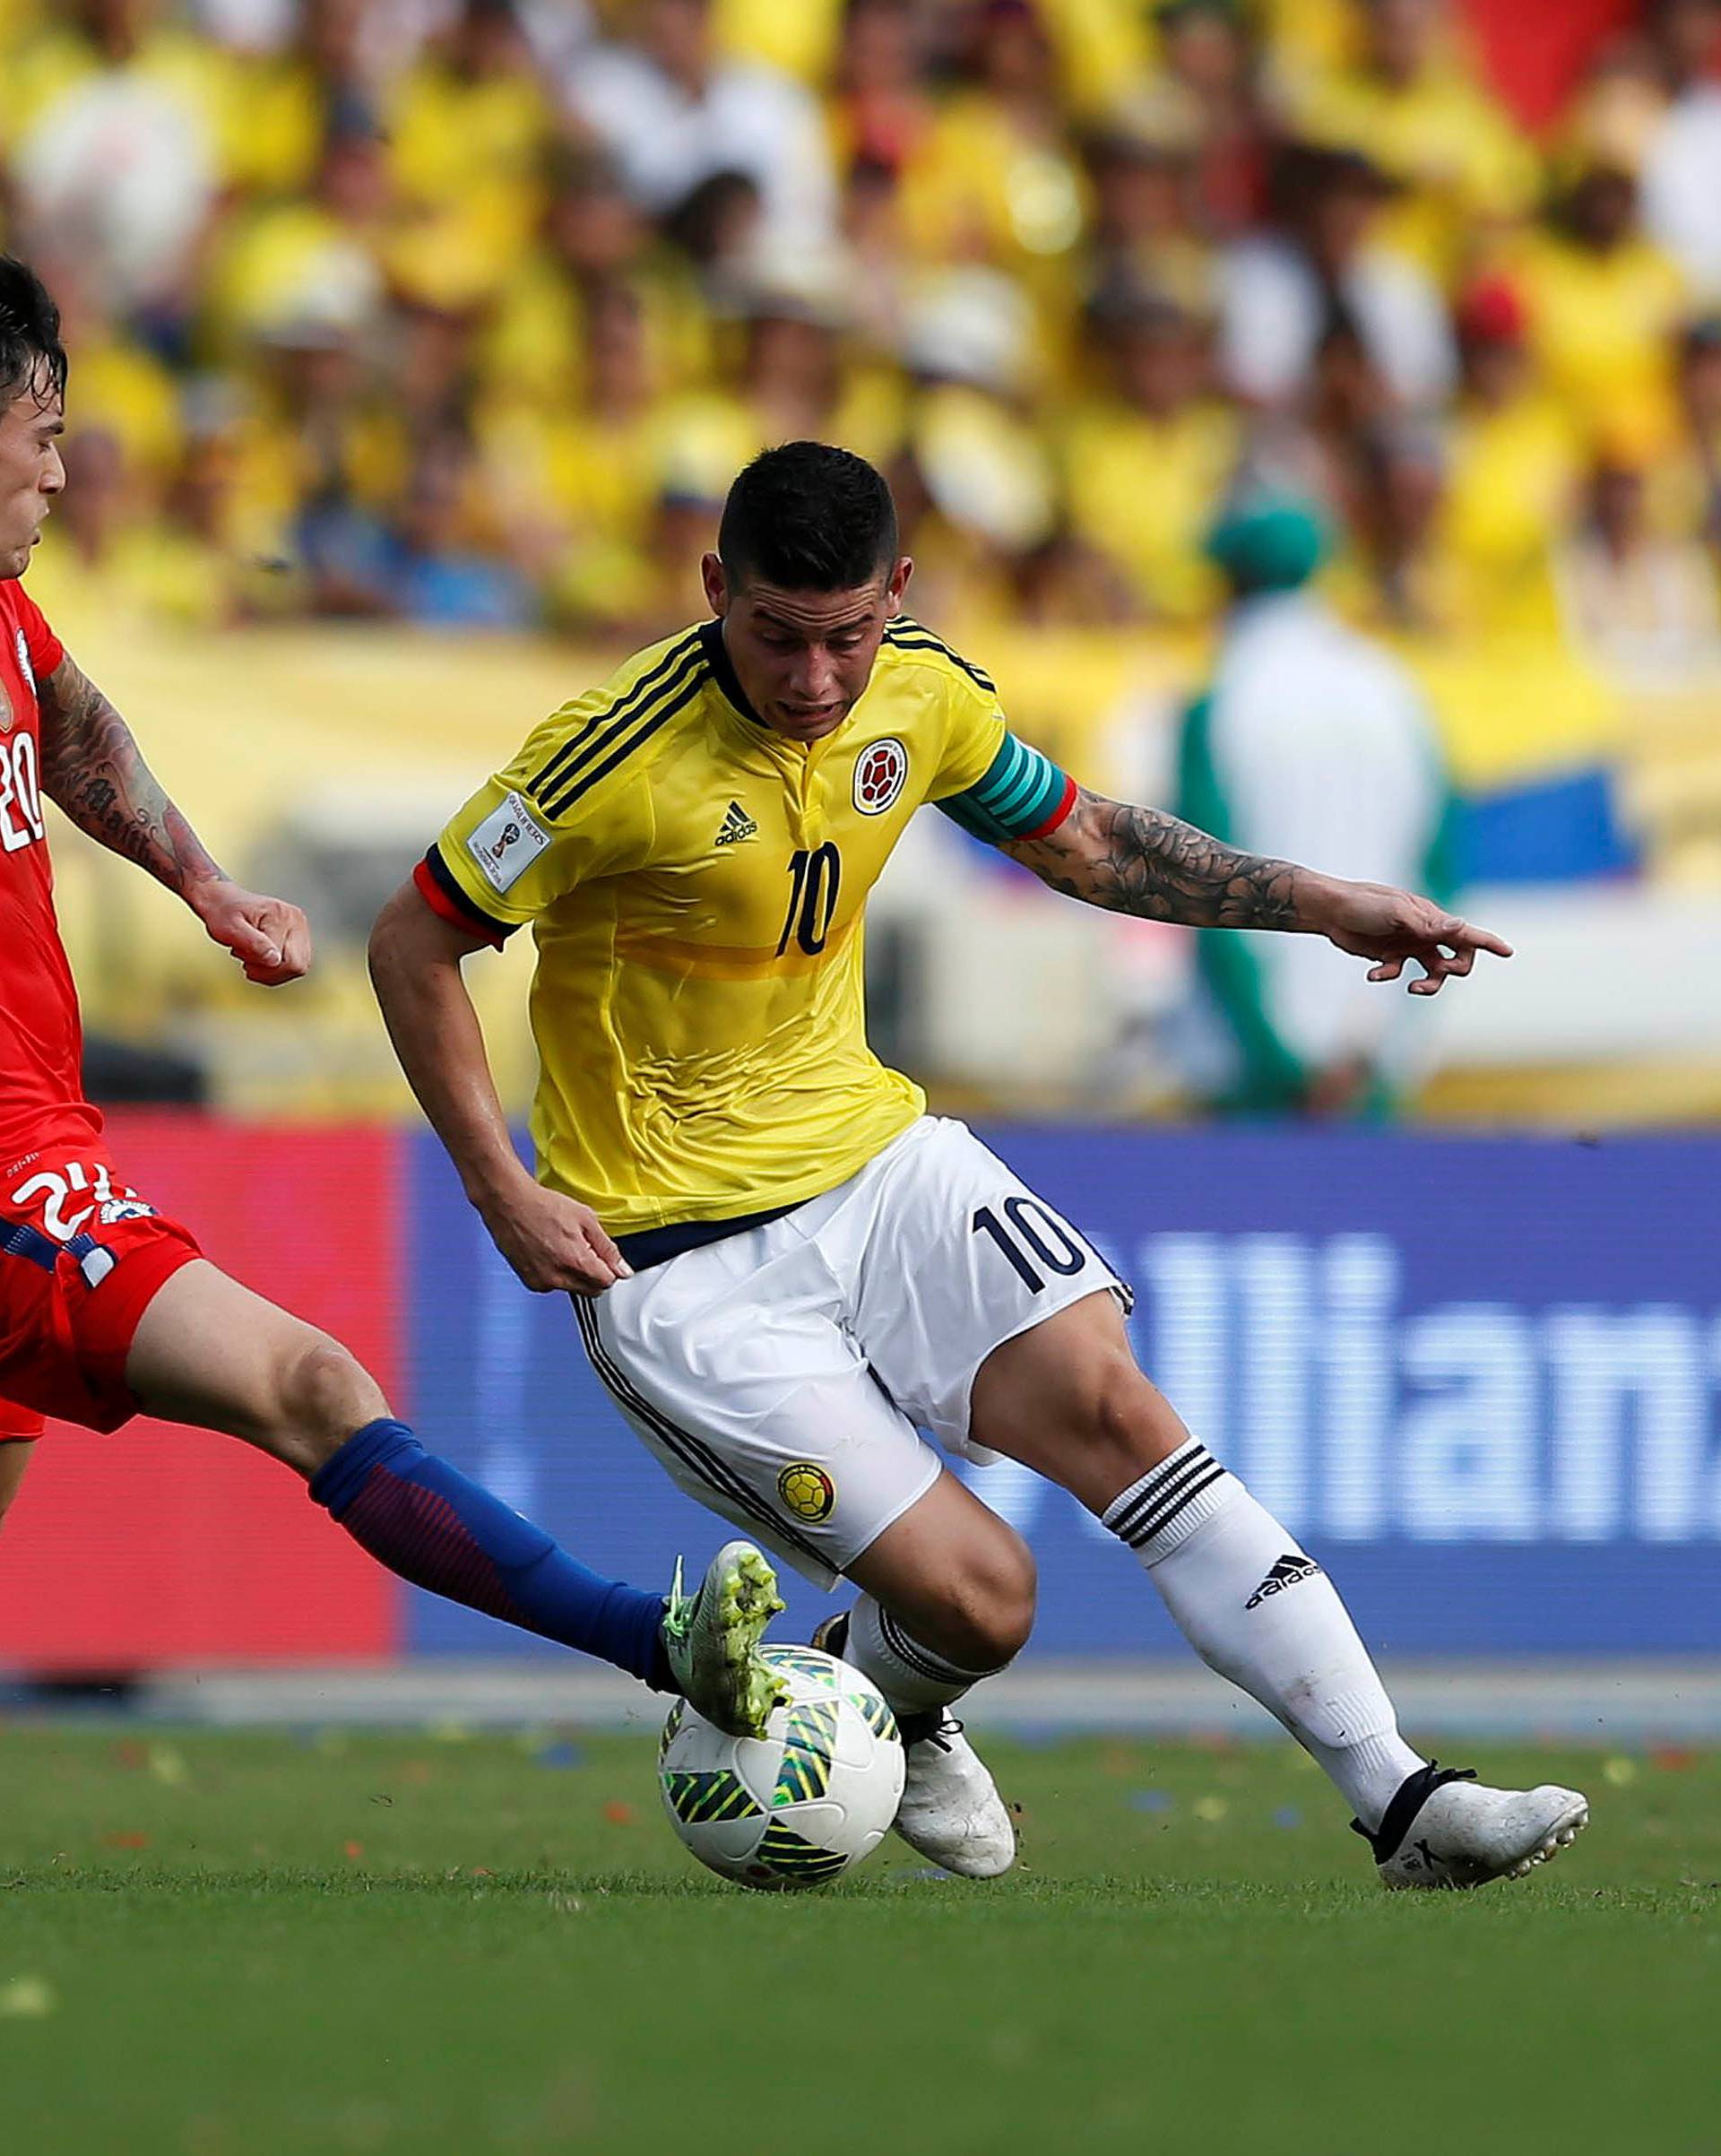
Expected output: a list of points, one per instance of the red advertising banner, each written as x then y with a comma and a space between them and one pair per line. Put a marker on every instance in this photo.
161, 1545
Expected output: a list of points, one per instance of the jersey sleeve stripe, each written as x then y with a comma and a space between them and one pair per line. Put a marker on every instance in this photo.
1023, 795
907, 634
572, 753
648, 724
442, 895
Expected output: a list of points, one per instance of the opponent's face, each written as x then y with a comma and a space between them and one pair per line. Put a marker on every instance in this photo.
803, 658
30, 471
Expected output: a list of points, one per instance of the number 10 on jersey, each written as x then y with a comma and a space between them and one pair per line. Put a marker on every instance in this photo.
815, 880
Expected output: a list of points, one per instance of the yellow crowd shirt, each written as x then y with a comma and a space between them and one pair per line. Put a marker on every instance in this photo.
697, 884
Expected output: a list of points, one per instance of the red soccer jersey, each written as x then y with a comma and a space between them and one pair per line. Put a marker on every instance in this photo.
42, 1073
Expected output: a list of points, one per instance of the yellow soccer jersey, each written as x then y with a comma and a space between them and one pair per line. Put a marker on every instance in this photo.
696, 884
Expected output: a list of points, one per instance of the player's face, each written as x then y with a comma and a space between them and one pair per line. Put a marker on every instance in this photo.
804, 658
30, 471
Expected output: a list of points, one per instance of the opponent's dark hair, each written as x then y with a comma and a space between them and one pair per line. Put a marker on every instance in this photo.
30, 332
808, 517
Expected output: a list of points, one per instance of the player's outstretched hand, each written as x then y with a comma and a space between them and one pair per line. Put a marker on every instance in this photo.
270, 939
1397, 928
555, 1243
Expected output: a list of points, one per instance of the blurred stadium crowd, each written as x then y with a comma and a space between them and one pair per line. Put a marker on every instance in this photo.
465, 312
460, 316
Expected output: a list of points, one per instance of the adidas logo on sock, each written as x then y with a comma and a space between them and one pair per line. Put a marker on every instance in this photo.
737, 826
1289, 1571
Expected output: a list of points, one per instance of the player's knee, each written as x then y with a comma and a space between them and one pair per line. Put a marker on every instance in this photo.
989, 1609
323, 1393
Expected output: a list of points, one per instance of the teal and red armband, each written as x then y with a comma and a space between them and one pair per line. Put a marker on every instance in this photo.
1023, 796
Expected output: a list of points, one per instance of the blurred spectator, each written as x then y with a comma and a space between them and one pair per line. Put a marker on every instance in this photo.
994, 181
317, 258
320, 456
1207, 83
672, 113
593, 236
1511, 482
1643, 605
576, 486
1310, 743
1603, 300
1679, 174
327, 66
1685, 486
432, 570
1143, 464
976, 478
800, 40
116, 128
879, 273
1406, 103
470, 128
1282, 289
1143, 229
122, 386
880, 111
119, 554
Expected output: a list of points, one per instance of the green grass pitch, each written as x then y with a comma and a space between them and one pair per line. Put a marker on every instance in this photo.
258, 1944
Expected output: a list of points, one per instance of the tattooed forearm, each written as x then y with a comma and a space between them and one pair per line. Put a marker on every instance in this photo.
95, 771
1140, 861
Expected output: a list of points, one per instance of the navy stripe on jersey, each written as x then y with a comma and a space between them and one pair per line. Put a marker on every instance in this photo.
1020, 794
706, 1465
643, 726
584, 745
440, 874
909, 636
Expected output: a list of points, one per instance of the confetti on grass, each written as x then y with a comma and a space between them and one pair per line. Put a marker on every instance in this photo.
28, 1999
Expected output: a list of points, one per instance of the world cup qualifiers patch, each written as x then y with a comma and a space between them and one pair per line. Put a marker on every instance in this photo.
880, 771
806, 1492
507, 842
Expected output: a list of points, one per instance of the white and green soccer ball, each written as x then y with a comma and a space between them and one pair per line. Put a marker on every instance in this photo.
798, 1806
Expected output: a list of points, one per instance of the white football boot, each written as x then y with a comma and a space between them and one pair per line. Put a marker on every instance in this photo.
951, 1810
1446, 1828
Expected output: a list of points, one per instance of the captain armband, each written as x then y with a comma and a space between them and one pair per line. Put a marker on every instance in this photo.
1023, 795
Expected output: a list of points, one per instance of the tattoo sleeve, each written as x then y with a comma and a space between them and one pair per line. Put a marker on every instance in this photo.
1141, 861
93, 770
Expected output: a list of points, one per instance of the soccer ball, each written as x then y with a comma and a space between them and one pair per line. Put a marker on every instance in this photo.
800, 1805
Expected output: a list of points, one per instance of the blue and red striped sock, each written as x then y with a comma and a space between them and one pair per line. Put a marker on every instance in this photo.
427, 1521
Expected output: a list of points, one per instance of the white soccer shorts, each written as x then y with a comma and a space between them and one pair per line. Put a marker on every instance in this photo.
780, 1374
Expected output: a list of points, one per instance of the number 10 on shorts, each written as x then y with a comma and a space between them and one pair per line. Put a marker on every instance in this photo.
1045, 1237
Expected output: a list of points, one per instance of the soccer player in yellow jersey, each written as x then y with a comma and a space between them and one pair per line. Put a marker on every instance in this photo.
783, 1269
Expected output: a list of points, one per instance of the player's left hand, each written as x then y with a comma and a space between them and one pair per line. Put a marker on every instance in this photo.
1397, 928
270, 939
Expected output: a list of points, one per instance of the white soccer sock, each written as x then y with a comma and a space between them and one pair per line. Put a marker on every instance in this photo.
1260, 1613
910, 1677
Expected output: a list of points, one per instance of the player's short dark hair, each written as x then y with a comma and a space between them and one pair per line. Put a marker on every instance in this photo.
808, 517
30, 332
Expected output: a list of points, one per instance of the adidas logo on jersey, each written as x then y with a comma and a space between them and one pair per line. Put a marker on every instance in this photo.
1289, 1571
737, 826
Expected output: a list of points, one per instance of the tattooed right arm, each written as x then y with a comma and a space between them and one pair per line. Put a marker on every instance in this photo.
93, 769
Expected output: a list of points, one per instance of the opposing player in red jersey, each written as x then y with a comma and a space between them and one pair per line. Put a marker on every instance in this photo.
106, 1308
